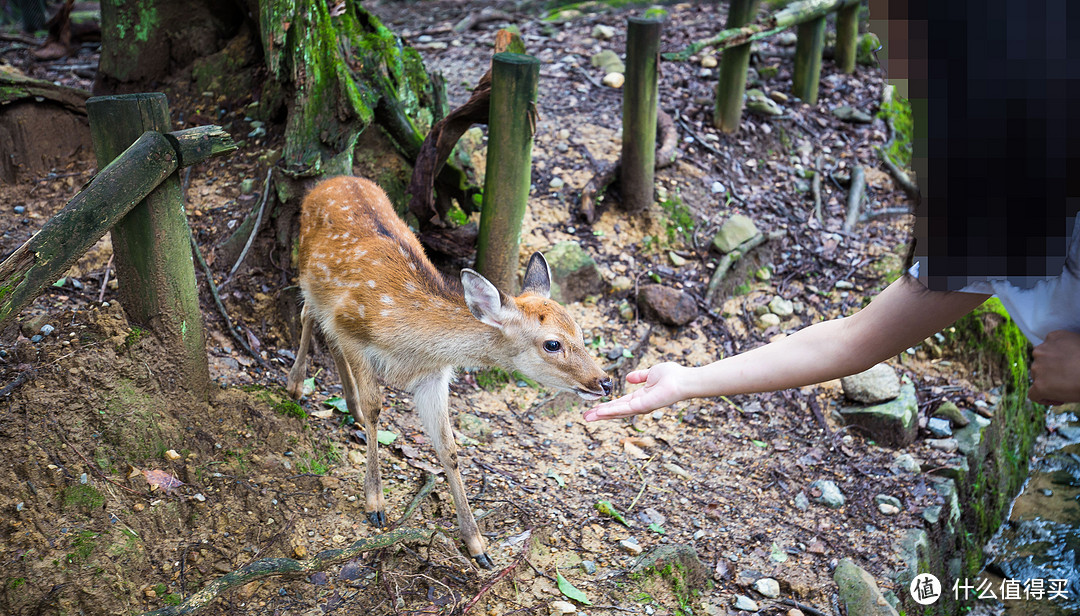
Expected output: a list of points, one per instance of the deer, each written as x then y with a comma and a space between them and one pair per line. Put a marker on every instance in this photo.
386, 312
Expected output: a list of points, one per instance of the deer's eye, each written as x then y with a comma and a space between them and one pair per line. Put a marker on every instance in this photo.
552, 346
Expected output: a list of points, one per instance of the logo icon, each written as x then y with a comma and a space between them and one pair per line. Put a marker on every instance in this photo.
925, 589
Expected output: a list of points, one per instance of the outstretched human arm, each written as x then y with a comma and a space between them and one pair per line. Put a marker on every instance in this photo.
902, 315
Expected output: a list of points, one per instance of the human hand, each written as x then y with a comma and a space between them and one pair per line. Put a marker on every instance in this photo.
1055, 369
665, 384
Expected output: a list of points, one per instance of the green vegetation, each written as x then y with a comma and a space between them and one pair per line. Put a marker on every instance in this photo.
134, 336
14, 583
897, 111
679, 221
319, 462
492, 379
83, 496
82, 547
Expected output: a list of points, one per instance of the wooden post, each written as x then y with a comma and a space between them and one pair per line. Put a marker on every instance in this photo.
507, 178
733, 64
847, 37
640, 100
808, 51
153, 261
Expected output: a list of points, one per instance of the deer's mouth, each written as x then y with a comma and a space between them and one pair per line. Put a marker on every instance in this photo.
585, 394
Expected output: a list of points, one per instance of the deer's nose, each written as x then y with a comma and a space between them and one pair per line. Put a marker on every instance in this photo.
605, 384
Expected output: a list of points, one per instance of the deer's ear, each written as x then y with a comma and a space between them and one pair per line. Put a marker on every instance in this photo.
537, 276
487, 303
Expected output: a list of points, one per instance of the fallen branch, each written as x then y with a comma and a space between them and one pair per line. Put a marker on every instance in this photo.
254, 229
855, 197
235, 333
23, 377
889, 211
291, 568
910, 188
425, 490
498, 578
731, 258
795, 13
815, 190
803, 607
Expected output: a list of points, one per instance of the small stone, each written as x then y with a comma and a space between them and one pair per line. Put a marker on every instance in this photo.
558, 608
172, 455
246, 186
588, 567
781, 307
787, 38
735, 230
338, 539
830, 494
630, 546
47, 329
950, 411
907, 463
878, 384
556, 183
199, 497
602, 32
779, 97
19, 209
667, 305
768, 320
35, 338
888, 500
764, 274
768, 587
609, 61
795, 612
757, 102
843, 285
138, 507
802, 503
626, 311
614, 80
622, 283
675, 259
932, 514
887, 509
718, 188
709, 62
745, 604
855, 116
939, 427
947, 445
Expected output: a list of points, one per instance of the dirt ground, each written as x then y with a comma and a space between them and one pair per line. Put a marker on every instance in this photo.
120, 496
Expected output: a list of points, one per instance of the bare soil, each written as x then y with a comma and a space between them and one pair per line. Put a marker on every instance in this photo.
90, 441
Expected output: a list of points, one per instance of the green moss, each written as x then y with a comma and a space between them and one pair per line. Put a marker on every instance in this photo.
82, 547
172, 599
898, 111
134, 336
83, 496
492, 379
15, 583
679, 220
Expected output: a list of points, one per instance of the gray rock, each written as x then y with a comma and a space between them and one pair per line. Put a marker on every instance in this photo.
666, 305
609, 61
757, 102
970, 436
768, 587
745, 604
893, 423
768, 320
787, 38
47, 329
950, 411
574, 274
855, 116
932, 514
830, 494
886, 499
887, 509
588, 566
859, 593
801, 502
602, 32
939, 427
631, 546
781, 307
622, 283
878, 384
735, 230
948, 445
474, 427
907, 463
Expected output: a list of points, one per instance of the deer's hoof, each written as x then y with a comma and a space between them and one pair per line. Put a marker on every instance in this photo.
483, 561
377, 518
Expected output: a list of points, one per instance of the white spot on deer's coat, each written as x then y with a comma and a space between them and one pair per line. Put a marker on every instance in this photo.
377, 262
386, 299
360, 310
384, 313
371, 283
410, 287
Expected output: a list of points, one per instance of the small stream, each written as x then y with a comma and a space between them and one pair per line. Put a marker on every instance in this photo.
1041, 538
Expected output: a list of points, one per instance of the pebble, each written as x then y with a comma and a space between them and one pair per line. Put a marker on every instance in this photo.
887, 509
907, 463
557, 608
844, 285
588, 566
556, 183
622, 283
47, 329
830, 494
947, 445
745, 603
709, 62
795, 612
35, 338
676, 259
781, 307
172, 455
199, 497
768, 320
698, 534
718, 188
768, 587
19, 209
84, 479
19, 506
802, 503
630, 546
614, 80
939, 427
602, 32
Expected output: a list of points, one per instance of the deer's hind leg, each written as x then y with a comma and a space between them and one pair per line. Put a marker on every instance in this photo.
361, 391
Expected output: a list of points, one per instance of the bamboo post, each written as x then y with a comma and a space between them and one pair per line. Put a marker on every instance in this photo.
640, 100
508, 173
847, 37
153, 259
733, 64
808, 51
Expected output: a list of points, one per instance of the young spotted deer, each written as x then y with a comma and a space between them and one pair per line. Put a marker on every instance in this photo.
386, 312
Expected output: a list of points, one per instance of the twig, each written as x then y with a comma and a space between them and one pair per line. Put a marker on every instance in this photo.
221, 307
425, 490
12, 386
105, 279
644, 483
909, 187
254, 229
815, 190
498, 578
855, 196
290, 568
730, 258
889, 211
802, 606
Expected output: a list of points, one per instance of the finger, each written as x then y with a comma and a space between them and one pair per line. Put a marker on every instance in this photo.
637, 376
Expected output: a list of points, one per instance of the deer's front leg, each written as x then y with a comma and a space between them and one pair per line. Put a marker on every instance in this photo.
361, 391
431, 395
295, 384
